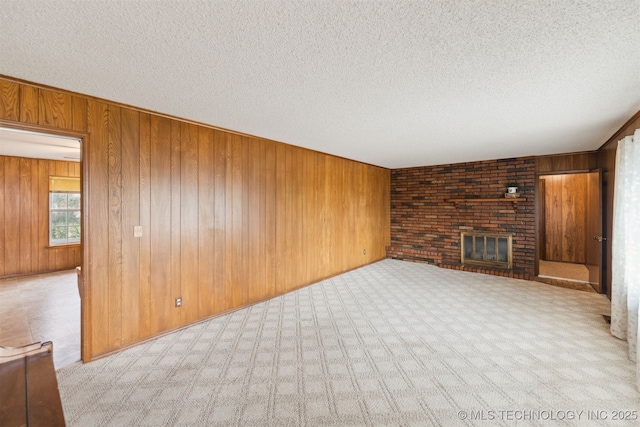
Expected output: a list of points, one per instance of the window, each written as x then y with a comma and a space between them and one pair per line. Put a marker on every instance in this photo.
64, 211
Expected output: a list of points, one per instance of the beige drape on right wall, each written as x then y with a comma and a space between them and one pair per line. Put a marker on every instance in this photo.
625, 283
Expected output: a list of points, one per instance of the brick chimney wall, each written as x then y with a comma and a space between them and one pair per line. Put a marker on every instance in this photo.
426, 226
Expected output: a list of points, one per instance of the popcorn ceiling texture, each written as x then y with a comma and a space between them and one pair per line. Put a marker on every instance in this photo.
396, 84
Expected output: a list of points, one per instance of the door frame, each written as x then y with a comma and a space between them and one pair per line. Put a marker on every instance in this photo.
540, 226
85, 292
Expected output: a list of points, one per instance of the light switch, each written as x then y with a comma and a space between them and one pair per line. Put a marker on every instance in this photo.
137, 231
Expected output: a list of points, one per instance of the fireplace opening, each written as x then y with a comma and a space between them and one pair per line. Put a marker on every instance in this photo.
491, 250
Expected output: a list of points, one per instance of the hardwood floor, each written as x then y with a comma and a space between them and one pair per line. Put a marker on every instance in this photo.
565, 275
564, 270
44, 307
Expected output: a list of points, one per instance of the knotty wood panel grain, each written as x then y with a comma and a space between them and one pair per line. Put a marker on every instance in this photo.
79, 114
9, 100
29, 104
55, 109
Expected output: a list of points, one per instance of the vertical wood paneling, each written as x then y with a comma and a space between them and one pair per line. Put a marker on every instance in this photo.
160, 213
206, 304
230, 261
289, 213
593, 248
235, 230
3, 218
189, 227
130, 131
115, 227
25, 215
606, 158
244, 190
553, 219
566, 163
79, 114
576, 189
219, 169
29, 104
176, 267
298, 240
54, 109
281, 218
53, 254
37, 207
97, 235
565, 217
255, 213
226, 219
43, 214
9, 100
270, 219
12, 214
145, 223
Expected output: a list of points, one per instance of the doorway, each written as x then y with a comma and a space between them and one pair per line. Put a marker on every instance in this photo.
42, 231
570, 229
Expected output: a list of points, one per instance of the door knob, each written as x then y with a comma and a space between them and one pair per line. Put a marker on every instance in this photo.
599, 238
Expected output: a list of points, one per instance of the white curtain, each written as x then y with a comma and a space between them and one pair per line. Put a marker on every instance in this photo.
625, 280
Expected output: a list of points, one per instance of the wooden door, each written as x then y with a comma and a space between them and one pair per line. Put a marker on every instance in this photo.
564, 217
593, 230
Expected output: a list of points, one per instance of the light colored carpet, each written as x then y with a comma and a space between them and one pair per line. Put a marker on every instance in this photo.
564, 270
393, 343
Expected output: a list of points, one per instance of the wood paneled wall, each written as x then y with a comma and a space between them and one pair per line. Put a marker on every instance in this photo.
24, 217
227, 219
565, 217
559, 163
607, 162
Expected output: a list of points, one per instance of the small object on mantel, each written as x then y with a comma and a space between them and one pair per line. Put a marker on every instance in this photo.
511, 195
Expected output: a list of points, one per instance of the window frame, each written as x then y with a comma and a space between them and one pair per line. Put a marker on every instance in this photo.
67, 210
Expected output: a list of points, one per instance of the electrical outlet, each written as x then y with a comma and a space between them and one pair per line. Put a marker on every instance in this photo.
364, 252
137, 231
179, 302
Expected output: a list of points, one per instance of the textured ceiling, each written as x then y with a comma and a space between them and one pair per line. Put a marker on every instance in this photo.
394, 83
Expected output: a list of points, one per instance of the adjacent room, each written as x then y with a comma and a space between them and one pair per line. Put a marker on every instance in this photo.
319, 213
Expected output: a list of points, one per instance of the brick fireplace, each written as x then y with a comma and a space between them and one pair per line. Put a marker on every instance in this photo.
431, 206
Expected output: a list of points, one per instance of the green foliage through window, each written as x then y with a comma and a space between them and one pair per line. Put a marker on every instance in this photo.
64, 218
